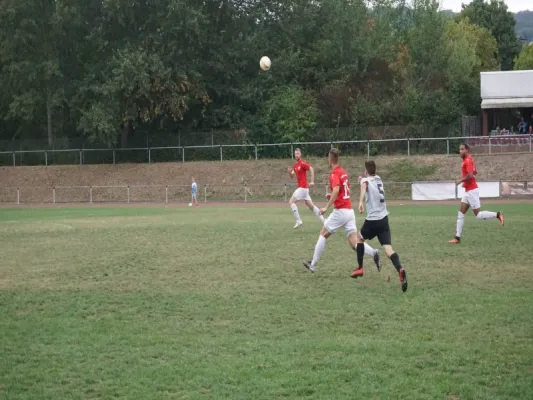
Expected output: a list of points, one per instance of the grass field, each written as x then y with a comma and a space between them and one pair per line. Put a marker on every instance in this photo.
212, 302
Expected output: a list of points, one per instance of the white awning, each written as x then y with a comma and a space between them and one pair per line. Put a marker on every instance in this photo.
510, 102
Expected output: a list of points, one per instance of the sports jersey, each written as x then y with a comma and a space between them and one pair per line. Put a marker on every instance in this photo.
339, 177
194, 187
467, 167
300, 169
376, 207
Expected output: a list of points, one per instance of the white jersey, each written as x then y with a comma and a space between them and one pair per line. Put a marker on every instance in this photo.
376, 207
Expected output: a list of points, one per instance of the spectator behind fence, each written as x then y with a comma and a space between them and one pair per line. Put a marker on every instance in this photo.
522, 126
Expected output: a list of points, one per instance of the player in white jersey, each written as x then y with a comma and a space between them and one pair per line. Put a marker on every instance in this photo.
377, 221
194, 192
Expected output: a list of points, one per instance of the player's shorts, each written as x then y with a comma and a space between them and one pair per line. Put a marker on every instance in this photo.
379, 228
472, 198
341, 218
301, 194
194, 195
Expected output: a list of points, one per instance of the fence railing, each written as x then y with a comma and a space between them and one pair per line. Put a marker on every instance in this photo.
167, 194
368, 148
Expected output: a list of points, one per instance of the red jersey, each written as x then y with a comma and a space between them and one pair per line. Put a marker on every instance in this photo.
300, 169
467, 167
339, 177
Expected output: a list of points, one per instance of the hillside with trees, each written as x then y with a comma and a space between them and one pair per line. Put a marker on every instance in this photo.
129, 73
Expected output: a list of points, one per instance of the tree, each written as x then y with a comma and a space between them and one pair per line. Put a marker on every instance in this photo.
495, 17
525, 59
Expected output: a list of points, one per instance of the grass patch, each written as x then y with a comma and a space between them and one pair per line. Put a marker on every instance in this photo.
211, 303
405, 171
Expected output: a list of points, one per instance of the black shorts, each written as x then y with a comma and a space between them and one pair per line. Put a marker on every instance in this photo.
379, 228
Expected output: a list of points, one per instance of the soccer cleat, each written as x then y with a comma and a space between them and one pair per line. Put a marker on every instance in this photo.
501, 218
455, 241
403, 279
309, 265
298, 224
377, 260
357, 273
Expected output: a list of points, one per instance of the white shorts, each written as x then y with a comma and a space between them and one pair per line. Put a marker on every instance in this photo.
341, 218
301, 194
193, 195
472, 199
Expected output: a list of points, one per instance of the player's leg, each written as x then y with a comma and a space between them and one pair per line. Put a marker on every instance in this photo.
367, 249
483, 215
385, 239
360, 247
463, 208
314, 208
331, 225
292, 202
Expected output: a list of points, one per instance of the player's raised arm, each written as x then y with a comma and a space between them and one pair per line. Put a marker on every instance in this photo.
312, 171
290, 171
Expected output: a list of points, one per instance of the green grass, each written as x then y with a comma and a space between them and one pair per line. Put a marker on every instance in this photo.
211, 303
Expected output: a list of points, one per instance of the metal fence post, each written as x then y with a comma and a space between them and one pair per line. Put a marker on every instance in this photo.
530, 142
368, 149
128, 194
14, 158
448, 146
166, 194
256, 150
220, 153
408, 147
205, 194
245, 194
490, 146
113, 156
46, 158
292, 151
81, 157
90, 194
183, 154
18, 196
285, 194
54, 195
149, 156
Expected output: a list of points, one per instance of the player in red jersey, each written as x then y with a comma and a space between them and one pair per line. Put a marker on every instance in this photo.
342, 215
300, 169
471, 197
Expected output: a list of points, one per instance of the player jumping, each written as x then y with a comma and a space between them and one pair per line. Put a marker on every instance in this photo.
302, 192
471, 197
342, 215
376, 222
194, 190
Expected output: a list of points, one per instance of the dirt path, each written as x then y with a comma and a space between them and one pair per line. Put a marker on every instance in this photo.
242, 204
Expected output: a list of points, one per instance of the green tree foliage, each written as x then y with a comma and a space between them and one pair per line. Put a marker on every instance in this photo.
495, 17
99, 71
525, 59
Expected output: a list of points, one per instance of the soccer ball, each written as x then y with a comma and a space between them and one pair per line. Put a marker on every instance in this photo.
265, 63
190, 204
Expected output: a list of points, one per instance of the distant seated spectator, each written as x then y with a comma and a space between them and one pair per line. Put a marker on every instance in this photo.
504, 132
522, 126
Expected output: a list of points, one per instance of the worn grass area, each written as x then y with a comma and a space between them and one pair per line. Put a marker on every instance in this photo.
213, 303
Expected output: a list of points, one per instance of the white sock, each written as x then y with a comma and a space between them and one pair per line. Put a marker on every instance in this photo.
369, 250
319, 248
295, 212
460, 223
486, 215
317, 213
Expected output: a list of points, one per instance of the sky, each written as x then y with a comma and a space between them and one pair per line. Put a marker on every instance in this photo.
513, 5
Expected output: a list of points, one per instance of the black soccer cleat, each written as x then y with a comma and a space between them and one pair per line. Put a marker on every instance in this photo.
377, 260
308, 265
403, 279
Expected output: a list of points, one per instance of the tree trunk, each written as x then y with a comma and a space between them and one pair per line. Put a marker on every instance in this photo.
49, 120
124, 134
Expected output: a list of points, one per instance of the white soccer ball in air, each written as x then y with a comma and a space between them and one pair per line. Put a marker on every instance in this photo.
190, 204
265, 63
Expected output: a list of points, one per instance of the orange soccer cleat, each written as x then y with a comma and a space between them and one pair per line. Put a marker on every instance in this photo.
455, 241
358, 273
501, 218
